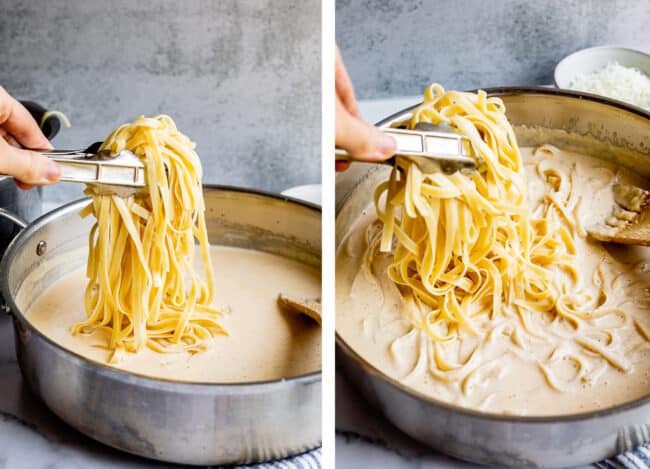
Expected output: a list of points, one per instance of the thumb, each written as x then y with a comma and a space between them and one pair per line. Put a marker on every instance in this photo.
363, 141
27, 167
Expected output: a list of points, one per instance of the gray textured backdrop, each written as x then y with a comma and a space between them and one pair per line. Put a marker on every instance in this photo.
240, 77
397, 47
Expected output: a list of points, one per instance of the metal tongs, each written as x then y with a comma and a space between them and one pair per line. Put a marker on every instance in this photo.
119, 174
432, 147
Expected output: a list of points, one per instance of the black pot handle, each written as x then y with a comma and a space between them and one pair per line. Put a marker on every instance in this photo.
52, 124
11, 216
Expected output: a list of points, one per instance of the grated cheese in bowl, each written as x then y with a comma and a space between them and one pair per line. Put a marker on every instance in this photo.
617, 82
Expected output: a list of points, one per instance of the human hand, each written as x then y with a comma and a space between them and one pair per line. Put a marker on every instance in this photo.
18, 130
359, 139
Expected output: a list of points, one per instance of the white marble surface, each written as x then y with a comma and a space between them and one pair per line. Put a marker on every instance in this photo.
364, 438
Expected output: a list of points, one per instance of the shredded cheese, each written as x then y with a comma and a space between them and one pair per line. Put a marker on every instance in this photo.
617, 82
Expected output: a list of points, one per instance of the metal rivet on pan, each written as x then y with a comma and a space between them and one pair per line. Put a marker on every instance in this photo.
41, 247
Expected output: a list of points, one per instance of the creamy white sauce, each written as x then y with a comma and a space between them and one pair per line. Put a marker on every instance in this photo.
506, 376
264, 341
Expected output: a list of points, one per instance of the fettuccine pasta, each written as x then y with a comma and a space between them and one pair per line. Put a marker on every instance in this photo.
472, 260
142, 287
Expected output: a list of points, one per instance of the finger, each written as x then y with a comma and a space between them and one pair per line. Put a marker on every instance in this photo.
9, 138
362, 141
27, 166
22, 185
344, 87
17, 120
342, 166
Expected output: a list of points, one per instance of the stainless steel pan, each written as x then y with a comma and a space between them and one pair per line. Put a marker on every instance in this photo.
569, 120
171, 421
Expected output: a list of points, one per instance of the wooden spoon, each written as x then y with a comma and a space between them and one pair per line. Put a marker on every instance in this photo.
629, 222
307, 307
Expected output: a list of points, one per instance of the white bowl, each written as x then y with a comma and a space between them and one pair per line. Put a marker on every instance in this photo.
595, 58
309, 193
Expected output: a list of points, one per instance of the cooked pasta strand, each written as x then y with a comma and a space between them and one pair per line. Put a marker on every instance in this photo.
142, 286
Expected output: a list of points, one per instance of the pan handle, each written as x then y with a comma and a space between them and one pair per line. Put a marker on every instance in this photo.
11, 216
51, 126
